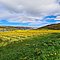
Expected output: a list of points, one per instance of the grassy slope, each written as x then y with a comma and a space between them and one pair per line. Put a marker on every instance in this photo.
45, 47
52, 26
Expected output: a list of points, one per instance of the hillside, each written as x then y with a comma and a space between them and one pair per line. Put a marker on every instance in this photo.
10, 28
52, 26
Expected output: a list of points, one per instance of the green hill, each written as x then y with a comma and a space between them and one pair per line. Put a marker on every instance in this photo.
52, 26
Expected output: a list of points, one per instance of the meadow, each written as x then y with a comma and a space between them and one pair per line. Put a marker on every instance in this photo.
30, 45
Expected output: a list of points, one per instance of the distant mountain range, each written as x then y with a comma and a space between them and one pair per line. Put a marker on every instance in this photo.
52, 26
10, 28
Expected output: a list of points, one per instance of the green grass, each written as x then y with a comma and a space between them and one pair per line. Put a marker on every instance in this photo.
45, 47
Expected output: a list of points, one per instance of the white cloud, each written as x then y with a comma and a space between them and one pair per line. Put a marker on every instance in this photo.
57, 18
32, 7
13, 10
24, 19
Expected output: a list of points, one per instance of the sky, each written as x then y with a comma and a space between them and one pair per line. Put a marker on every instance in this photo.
33, 13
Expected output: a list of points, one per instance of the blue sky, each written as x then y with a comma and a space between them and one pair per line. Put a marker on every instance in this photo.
34, 13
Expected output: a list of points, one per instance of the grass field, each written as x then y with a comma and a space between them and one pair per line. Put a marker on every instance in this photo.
30, 45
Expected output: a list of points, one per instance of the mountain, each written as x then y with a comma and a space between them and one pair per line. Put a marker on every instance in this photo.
52, 26
10, 28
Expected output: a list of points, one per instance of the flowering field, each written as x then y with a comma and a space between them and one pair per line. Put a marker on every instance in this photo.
20, 35
30, 45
